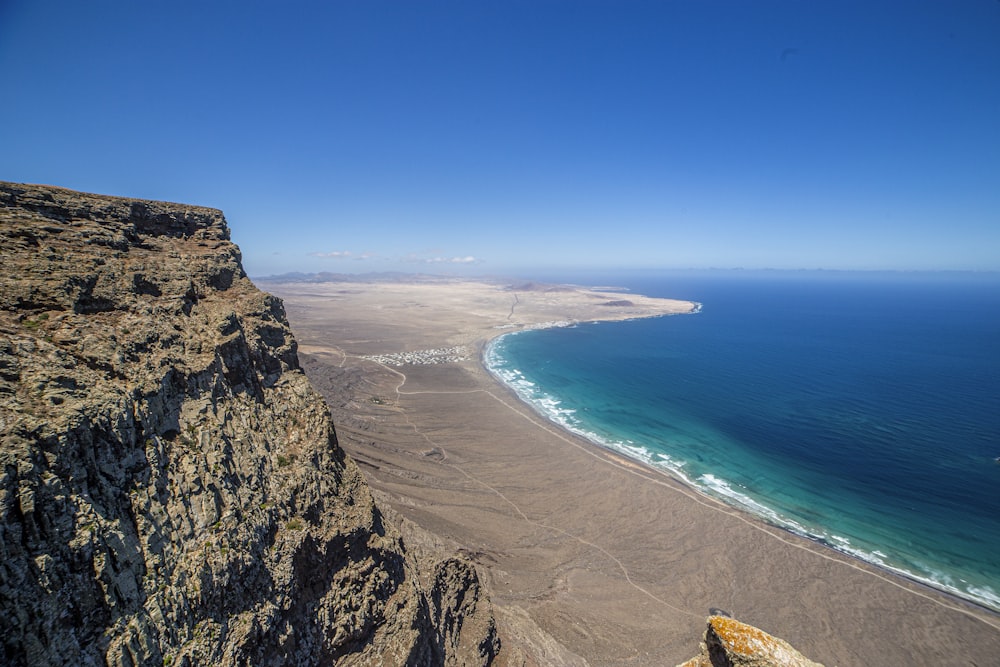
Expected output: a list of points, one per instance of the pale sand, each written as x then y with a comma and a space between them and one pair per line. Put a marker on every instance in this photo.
590, 558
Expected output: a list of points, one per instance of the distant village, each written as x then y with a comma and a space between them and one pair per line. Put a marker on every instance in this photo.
438, 355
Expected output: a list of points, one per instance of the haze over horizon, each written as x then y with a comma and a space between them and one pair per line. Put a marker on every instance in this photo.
488, 138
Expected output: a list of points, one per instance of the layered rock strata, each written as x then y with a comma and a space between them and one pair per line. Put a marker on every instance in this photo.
171, 488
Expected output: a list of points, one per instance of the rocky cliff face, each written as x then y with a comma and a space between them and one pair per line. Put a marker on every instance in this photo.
171, 488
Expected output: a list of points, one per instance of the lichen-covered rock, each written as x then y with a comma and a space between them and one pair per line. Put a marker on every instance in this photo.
730, 643
171, 488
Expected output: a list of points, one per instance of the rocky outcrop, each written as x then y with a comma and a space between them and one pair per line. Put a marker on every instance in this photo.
729, 643
171, 487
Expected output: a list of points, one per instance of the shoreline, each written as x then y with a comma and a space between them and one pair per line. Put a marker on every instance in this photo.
887, 571
768, 515
590, 557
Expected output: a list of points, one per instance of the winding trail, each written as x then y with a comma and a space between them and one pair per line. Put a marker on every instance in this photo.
512, 306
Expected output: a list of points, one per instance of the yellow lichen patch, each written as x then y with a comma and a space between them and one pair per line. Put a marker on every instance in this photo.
747, 646
743, 639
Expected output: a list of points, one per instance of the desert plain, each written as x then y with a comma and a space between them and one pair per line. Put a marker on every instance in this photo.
589, 558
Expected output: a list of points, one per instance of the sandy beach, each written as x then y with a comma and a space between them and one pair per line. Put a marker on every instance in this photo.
590, 558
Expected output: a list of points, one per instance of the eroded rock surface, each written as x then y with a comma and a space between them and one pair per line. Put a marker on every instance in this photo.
171, 489
730, 643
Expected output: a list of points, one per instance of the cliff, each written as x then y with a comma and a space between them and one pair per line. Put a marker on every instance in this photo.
171, 489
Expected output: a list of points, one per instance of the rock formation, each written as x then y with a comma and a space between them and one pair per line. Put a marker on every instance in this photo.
172, 491
729, 643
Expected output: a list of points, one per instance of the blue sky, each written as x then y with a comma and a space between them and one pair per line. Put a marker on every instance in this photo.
502, 137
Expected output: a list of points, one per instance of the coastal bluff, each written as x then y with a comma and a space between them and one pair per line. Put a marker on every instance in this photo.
172, 490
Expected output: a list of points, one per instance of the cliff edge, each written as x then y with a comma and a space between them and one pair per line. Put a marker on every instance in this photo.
171, 488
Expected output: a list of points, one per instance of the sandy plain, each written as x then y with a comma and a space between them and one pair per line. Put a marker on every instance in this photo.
589, 557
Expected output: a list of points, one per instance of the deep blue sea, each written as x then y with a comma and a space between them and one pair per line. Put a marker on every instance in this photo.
860, 410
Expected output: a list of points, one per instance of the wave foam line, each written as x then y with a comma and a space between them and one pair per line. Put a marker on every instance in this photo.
549, 407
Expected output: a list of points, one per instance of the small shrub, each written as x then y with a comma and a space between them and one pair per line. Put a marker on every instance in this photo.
34, 323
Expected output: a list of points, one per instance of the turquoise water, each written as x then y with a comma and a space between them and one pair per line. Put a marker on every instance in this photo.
861, 411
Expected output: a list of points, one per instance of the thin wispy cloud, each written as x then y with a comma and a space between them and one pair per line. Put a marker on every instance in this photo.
438, 259
333, 254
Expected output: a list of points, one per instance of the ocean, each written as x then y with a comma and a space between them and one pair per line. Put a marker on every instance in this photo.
859, 410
